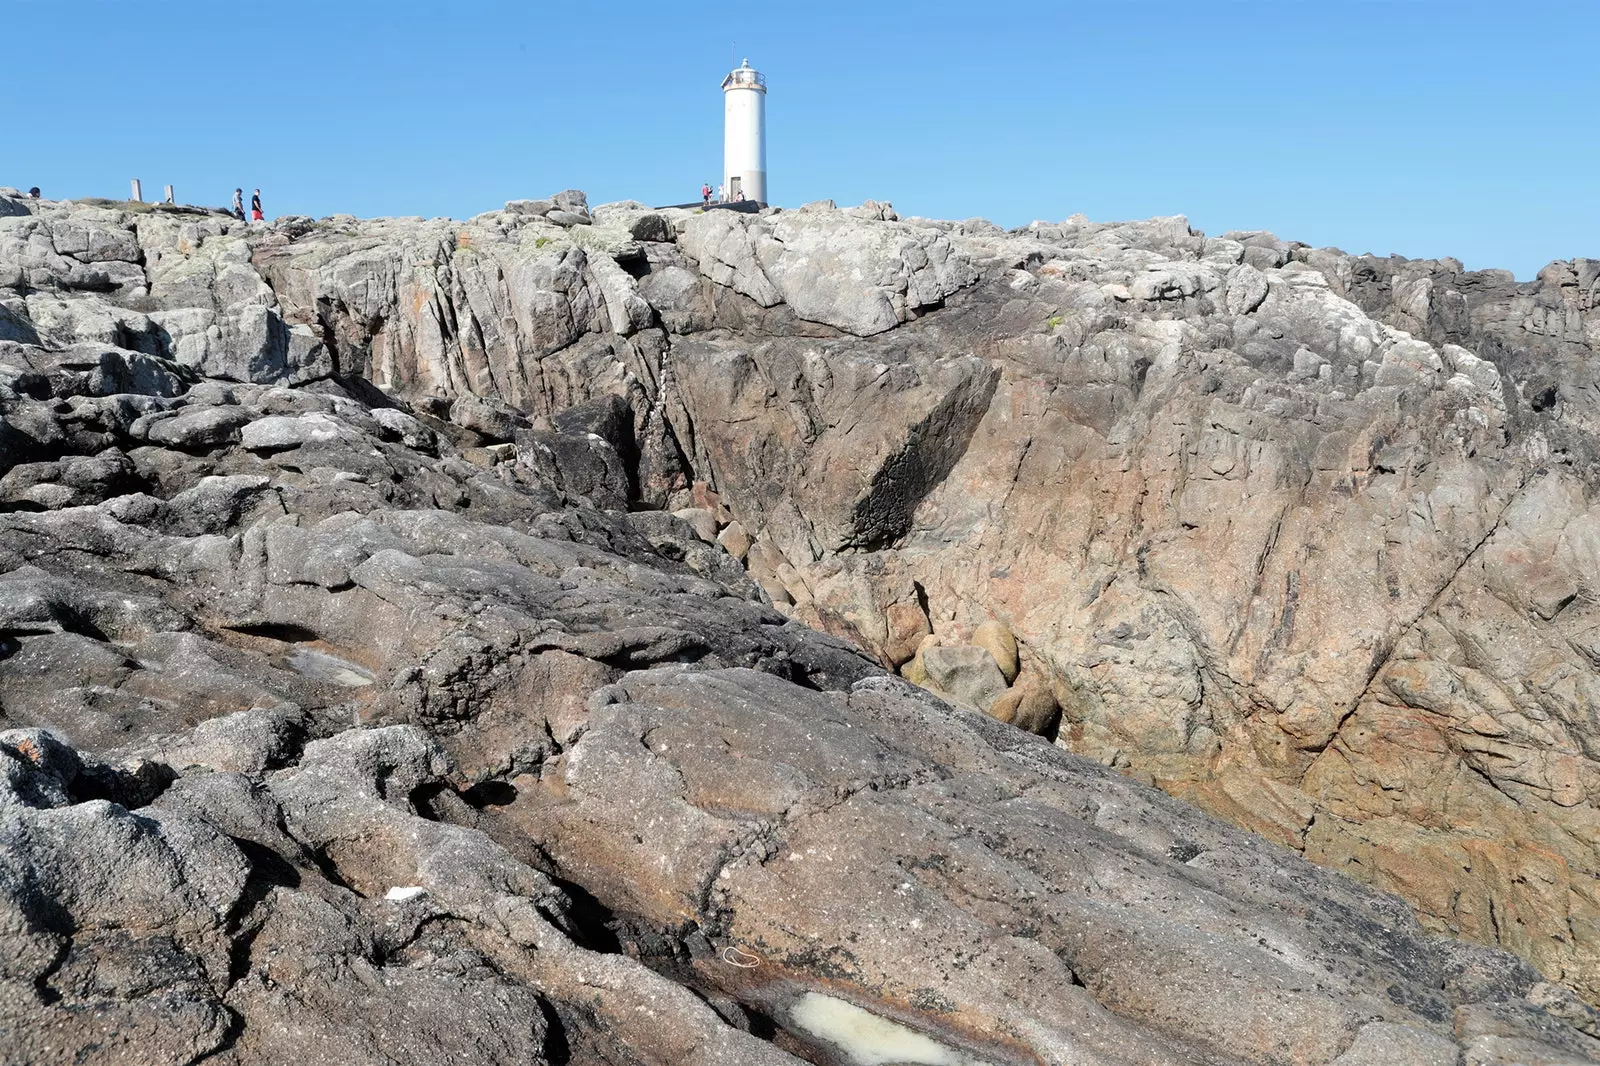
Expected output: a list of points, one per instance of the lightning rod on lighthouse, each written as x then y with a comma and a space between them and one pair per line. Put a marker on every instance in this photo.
744, 141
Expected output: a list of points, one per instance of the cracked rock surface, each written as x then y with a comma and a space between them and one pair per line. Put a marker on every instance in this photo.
363, 699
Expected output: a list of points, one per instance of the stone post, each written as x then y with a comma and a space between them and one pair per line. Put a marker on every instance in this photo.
169, 199
138, 193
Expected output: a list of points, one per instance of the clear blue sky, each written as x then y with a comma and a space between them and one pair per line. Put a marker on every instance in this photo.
1423, 127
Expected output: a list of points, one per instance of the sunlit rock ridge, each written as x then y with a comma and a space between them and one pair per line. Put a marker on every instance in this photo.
663, 636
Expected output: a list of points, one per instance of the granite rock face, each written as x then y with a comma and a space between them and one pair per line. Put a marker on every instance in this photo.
1297, 535
362, 695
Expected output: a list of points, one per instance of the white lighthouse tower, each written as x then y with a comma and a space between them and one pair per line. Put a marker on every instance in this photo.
744, 138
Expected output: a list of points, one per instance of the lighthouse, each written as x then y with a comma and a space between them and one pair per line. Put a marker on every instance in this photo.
744, 137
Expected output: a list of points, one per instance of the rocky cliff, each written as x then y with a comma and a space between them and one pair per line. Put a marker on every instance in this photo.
413, 643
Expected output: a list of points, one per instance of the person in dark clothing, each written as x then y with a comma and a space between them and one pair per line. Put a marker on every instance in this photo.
255, 207
33, 193
238, 204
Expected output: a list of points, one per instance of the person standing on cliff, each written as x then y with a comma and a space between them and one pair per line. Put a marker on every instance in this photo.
255, 207
705, 193
238, 204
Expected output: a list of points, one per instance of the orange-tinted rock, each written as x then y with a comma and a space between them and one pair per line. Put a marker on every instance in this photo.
996, 639
907, 625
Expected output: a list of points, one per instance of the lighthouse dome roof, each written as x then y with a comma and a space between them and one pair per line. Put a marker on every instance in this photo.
745, 77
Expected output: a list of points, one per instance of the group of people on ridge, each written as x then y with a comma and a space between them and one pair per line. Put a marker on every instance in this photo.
255, 206
722, 196
238, 204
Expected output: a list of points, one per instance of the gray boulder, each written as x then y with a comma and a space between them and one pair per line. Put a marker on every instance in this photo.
278, 353
567, 218
201, 427
574, 200
1247, 287
15, 324
279, 432
493, 419
966, 673
863, 278
99, 370
652, 227
676, 293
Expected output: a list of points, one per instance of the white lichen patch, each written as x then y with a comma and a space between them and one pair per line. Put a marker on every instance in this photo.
868, 1040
